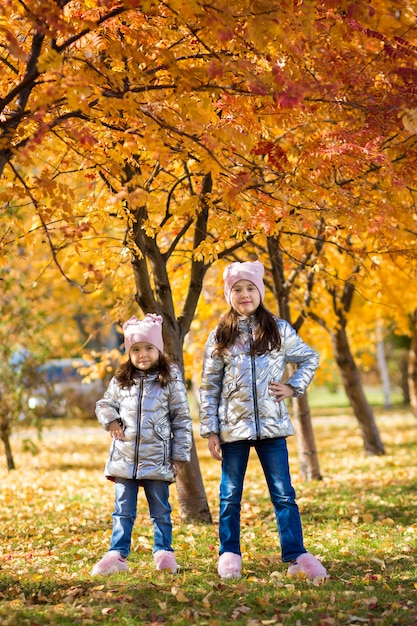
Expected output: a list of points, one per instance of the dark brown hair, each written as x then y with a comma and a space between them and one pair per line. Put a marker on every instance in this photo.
266, 337
125, 373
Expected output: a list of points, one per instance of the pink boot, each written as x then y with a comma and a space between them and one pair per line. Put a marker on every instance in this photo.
111, 562
165, 559
229, 565
308, 565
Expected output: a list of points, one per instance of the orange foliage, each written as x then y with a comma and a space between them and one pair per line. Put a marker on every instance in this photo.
112, 114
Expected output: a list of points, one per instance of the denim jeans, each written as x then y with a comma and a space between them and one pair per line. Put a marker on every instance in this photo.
273, 455
124, 516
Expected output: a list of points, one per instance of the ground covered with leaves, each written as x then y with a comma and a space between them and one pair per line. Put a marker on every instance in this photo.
360, 520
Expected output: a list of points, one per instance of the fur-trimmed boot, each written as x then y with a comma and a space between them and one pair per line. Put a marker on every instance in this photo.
306, 564
165, 559
229, 565
110, 563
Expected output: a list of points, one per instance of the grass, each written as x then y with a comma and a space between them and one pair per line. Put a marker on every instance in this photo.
323, 398
360, 520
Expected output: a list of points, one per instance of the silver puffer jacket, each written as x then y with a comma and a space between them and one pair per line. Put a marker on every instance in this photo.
157, 426
235, 402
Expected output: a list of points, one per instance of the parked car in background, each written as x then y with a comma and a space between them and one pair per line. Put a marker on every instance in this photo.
61, 391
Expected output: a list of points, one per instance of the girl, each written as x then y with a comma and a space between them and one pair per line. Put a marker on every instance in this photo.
243, 406
146, 412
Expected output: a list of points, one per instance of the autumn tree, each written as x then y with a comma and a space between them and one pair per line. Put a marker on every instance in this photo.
341, 297
247, 118
327, 299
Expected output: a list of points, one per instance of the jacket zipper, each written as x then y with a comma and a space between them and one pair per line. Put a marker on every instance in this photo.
254, 393
139, 420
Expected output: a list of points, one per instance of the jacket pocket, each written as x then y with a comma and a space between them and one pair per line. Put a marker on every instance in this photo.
111, 451
163, 432
227, 393
117, 450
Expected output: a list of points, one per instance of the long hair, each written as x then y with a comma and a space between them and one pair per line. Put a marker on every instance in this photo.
266, 337
125, 373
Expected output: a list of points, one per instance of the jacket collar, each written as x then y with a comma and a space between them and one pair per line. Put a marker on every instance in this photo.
246, 322
141, 376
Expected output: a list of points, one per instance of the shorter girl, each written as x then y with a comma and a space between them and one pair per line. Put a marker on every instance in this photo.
146, 412
243, 407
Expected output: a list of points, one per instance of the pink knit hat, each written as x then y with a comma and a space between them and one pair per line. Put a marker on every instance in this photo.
248, 270
148, 330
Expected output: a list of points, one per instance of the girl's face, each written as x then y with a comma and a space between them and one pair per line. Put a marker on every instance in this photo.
144, 356
245, 297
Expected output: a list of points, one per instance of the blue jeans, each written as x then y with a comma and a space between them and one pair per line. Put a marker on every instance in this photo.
124, 516
273, 455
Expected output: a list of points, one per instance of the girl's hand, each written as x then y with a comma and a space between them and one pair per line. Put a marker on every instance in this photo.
214, 447
116, 431
279, 391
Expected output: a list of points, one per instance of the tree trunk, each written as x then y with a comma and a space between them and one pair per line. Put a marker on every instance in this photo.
8, 450
307, 452
190, 487
404, 382
191, 494
382, 366
354, 391
412, 364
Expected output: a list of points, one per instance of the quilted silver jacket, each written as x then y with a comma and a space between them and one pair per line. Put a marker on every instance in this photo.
234, 399
157, 426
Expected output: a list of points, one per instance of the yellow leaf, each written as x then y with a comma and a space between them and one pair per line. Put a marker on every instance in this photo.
181, 597
179, 594
206, 600
263, 600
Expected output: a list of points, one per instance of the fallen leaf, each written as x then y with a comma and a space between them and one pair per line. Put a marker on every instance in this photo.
108, 610
239, 610
179, 595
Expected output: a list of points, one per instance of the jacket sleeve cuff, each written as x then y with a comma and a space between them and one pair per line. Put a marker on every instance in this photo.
297, 392
210, 434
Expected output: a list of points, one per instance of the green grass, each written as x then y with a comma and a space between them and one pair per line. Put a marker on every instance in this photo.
360, 520
324, 398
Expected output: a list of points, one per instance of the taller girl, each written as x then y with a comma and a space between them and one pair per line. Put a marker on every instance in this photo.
243, 406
